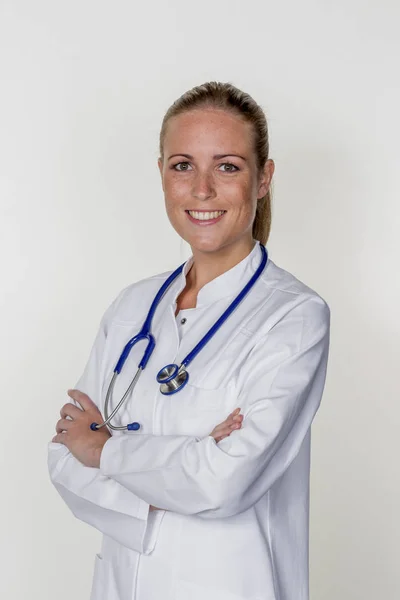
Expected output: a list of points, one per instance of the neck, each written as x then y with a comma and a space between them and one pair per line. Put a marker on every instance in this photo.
209, 265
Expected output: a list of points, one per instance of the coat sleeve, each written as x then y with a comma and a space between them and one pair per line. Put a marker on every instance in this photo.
93, 497
281, 385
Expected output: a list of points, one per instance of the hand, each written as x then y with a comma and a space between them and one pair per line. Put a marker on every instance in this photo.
224, 429
75, 433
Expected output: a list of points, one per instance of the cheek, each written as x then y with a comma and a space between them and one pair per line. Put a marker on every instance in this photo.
243, 201
175, 191
174, 206
241, 190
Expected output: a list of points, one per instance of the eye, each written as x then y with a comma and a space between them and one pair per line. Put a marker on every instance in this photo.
230, 165
180, 163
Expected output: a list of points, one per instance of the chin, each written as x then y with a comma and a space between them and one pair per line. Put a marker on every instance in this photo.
206, 245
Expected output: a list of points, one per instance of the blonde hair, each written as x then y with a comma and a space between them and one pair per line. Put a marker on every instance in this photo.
226, 96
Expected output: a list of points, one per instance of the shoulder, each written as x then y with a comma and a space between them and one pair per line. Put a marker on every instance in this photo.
287, 304
279, 279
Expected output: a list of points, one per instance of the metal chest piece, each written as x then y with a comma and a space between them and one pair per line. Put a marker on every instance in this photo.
172, 378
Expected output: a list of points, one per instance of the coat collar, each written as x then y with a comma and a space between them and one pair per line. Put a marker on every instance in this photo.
227, 284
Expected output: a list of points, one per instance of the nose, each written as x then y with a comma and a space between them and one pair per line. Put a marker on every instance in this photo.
203, 186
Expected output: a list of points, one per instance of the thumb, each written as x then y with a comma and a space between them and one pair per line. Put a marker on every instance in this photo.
82, 398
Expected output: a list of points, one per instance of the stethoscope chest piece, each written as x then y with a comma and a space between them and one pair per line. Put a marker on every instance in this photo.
172, 378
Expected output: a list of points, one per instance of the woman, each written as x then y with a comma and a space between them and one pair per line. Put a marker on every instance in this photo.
187, 514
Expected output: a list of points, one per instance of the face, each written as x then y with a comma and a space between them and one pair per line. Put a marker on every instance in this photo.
209, 166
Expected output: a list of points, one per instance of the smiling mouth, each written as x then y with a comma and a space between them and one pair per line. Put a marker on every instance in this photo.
205, 218
205, 215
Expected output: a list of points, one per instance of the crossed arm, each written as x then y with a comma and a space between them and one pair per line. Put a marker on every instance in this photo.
281, 387
73, 429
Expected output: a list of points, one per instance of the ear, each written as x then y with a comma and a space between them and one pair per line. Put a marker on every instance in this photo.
265, 178
160, 167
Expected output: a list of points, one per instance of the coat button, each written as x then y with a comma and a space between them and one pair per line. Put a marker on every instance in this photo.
183, 321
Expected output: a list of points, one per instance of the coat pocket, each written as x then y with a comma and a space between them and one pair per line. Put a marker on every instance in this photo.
201, 398
111, 580
98, 591
196, 411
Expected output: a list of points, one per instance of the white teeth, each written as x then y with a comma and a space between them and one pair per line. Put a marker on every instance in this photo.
204, 216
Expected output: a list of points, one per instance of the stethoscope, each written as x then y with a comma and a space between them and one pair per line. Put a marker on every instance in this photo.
172, 378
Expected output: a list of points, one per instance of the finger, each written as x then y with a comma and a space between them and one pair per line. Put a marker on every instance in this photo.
227, 425
83, 399
63, 425
227, 429
70, 410
59, 439
221, 437
235, 426
234, 414
235, 419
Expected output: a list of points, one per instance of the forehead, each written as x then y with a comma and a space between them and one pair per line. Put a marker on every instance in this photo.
208, 127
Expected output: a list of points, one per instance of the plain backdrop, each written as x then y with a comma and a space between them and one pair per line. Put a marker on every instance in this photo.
83, 89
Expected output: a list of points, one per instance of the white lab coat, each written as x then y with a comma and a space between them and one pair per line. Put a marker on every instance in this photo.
234, 518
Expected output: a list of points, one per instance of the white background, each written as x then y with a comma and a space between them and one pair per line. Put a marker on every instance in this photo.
84, 87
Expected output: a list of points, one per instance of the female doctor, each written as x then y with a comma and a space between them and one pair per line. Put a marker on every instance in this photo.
193, 502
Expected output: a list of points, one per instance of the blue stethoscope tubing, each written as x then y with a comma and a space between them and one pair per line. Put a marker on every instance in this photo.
172, 377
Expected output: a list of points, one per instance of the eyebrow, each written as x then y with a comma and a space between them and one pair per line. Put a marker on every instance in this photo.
215, 157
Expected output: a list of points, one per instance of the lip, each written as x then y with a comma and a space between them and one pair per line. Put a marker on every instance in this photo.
206, 222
